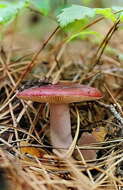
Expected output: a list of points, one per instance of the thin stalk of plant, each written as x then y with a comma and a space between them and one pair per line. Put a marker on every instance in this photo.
33, 62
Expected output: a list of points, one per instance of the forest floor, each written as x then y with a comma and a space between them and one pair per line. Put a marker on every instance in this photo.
26, 157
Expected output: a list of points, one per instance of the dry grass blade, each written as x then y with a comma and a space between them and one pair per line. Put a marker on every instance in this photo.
73, 145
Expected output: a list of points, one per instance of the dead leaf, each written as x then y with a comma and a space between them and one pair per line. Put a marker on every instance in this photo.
87, 139
99, 133
31, 150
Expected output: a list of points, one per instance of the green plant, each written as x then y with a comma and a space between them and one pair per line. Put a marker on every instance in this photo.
82, 13
78, 18
73, 17
9, 10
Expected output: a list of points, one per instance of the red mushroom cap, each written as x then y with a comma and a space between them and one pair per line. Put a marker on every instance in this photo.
60, 93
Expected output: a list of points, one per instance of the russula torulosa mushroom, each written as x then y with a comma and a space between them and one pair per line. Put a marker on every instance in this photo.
59, 96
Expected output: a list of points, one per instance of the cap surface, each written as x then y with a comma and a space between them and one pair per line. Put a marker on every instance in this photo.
60, 93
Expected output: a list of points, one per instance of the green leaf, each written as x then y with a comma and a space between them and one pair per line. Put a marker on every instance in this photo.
76, 26
120, 56
73, 13
106, 12
43, 6
82, 35
2, 5
86, 2
8, 11
120, 14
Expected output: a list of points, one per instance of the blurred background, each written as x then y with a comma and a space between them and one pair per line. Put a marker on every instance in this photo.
37, 26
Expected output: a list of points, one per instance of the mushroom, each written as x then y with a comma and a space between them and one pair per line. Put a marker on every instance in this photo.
59, 96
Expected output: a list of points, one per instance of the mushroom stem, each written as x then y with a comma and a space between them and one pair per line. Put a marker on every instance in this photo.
60, 126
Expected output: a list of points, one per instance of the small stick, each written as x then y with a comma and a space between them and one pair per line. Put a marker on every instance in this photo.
32, 63
113, 110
